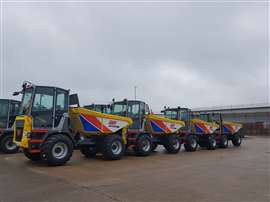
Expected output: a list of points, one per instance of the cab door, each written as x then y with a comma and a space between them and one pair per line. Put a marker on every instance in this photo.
61, 105
43, 107
133, 112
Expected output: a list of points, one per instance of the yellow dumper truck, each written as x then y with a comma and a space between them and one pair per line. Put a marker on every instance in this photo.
148, 130
227, 131
51, 124
196, 131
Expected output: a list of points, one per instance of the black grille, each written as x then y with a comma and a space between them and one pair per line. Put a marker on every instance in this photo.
19, 130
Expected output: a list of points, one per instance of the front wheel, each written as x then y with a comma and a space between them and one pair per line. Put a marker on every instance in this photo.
212, 143
191, 143
32, 156
224, 141
143, 146
7, 145
113, 147
57, 150
172, 144
236, 140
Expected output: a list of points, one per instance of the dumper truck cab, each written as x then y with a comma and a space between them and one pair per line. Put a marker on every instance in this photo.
42, 128
103, 108
8, 111
148, 130
51, 123
227, 131
196, 131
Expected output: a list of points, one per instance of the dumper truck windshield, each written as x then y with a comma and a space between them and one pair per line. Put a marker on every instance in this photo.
184, 115
3, 113
171, 114
216, 118
26, 101
205, 117
119, 109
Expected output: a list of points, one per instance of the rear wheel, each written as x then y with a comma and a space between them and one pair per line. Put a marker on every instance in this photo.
88, 151
143, 146
236, 140
32, 156
7, 145
57, 150
172, 144
224, 141
113, 147
212, 143
191, 143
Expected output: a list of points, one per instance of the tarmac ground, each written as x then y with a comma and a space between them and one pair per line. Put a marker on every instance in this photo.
232, 174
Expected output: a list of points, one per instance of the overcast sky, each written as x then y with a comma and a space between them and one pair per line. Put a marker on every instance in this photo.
187, 54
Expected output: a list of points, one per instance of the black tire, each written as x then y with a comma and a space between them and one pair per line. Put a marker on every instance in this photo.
191, 143
144, 145
32, 157
172, 144
154, 146
212, 143
57, 150
224, 141
7, 145
88, 151
236, 140
113, 147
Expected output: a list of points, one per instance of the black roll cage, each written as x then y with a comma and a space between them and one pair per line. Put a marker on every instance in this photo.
10, 102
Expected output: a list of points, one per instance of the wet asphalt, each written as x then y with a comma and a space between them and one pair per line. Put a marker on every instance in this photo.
232, 174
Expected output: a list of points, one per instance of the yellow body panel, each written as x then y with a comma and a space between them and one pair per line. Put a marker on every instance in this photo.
77, 126
232, 124
26, 129
156, 117
204, 122
157, 125
81, 110
206, 127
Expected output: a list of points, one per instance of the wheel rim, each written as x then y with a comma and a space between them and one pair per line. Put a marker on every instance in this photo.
146, 145
226, 141
193, 143
10, 145
59, 150
214, 144
238, 140
117, 147
176, 143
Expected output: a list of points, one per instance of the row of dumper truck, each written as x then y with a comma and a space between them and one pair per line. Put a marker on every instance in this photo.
48, 124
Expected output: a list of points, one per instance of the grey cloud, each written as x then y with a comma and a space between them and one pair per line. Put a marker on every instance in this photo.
188, 55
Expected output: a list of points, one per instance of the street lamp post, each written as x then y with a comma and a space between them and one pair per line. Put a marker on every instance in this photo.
135, 91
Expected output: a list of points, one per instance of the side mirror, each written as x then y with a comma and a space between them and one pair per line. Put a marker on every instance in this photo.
16, 93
